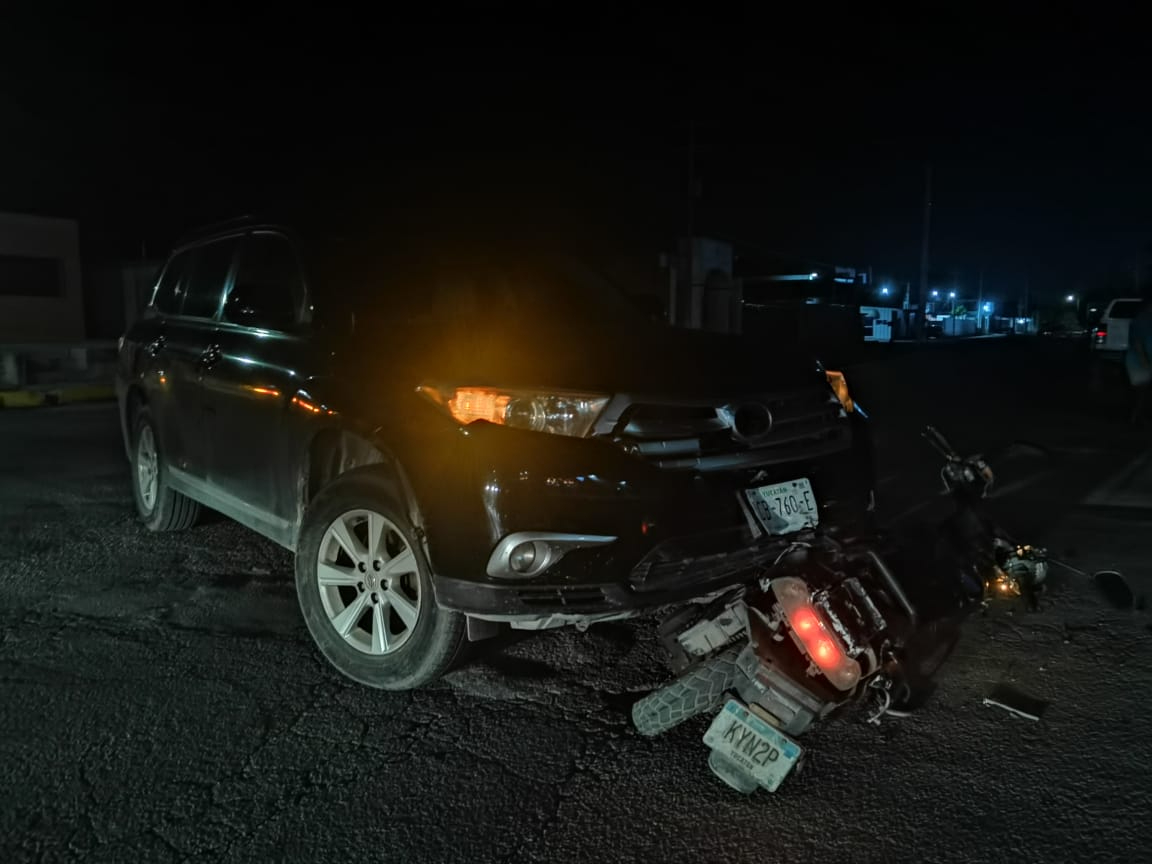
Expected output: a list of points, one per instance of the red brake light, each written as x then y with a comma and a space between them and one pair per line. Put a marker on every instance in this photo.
813, 635
804, 620
826, 652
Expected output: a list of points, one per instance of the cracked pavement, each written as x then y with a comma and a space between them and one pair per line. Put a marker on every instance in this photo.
160, 699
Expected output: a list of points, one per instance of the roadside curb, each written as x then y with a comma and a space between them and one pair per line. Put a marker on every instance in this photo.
56, 396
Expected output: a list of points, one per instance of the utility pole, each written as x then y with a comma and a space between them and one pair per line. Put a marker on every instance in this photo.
1027, 314
687, 290
921, 323
980, 303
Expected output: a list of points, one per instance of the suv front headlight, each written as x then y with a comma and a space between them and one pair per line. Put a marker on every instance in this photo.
558, 412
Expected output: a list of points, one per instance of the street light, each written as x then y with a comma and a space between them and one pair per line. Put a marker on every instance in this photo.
987, 307
1071, 298
951, 295
884, 290
935, 293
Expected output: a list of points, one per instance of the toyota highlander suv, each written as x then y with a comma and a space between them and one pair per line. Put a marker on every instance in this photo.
457, 439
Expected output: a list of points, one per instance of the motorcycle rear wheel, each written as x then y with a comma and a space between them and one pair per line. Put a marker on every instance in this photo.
699, 689
928, 652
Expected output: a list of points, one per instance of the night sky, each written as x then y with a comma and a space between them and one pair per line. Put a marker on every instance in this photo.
807, 142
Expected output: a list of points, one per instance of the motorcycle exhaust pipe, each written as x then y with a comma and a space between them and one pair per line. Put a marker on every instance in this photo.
894, 586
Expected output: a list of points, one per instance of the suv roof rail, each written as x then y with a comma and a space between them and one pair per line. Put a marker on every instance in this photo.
203, 231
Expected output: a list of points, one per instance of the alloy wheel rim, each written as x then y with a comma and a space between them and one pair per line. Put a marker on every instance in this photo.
147, 468
369, 582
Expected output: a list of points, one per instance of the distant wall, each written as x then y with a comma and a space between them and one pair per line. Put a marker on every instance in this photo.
881, 323
958, 326
40, 292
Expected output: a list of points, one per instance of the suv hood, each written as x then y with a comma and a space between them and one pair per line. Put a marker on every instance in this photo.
640, 358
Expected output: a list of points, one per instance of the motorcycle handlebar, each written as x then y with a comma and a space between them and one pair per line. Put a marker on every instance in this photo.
936, 438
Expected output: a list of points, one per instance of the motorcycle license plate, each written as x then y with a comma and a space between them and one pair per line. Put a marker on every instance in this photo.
785, 507
757, 748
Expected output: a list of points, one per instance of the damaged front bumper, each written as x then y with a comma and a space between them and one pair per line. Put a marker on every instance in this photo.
619, 534
668, 574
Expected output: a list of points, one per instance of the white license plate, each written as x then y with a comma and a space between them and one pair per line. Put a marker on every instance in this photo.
785, 507
760, 749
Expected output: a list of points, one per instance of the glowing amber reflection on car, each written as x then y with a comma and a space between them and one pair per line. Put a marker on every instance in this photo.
310, 407
479, 403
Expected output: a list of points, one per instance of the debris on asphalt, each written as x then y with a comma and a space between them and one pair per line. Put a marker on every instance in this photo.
1015, 702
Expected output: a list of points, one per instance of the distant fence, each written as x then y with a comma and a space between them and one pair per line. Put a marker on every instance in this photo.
46, 364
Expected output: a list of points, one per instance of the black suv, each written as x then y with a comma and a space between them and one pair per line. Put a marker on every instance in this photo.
468, 438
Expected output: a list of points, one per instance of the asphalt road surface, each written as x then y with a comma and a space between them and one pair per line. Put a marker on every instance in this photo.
160, 699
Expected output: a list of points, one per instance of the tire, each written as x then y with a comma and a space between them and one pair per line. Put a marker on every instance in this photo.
929, 650
700, 689
161, 508
400, 638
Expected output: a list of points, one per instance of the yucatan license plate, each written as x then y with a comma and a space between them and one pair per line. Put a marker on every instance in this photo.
785, 507
759, 748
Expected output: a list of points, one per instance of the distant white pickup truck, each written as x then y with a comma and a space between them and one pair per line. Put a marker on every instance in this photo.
1110, 336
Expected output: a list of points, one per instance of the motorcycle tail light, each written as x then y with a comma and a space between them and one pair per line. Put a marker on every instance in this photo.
813, 633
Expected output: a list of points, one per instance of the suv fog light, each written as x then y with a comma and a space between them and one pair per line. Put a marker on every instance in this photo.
522, 557
526, 554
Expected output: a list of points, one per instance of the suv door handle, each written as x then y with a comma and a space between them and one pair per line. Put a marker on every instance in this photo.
211, 356
156, 345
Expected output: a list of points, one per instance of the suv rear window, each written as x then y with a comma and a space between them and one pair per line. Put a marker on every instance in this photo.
1125, 309
168, 291
207, 276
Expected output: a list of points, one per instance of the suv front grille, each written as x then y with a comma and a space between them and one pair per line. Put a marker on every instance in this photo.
704, 437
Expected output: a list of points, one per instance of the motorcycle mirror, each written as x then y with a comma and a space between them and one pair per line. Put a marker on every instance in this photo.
1115, 588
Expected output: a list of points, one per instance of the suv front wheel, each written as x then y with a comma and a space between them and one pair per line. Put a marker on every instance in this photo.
365, 588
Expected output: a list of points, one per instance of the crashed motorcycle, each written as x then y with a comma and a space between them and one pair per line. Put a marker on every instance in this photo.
829, 626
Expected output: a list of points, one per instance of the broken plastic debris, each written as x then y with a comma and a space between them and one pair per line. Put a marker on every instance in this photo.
1015, 702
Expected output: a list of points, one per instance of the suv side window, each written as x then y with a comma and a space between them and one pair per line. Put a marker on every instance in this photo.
169, 292
269, 288
207, 277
